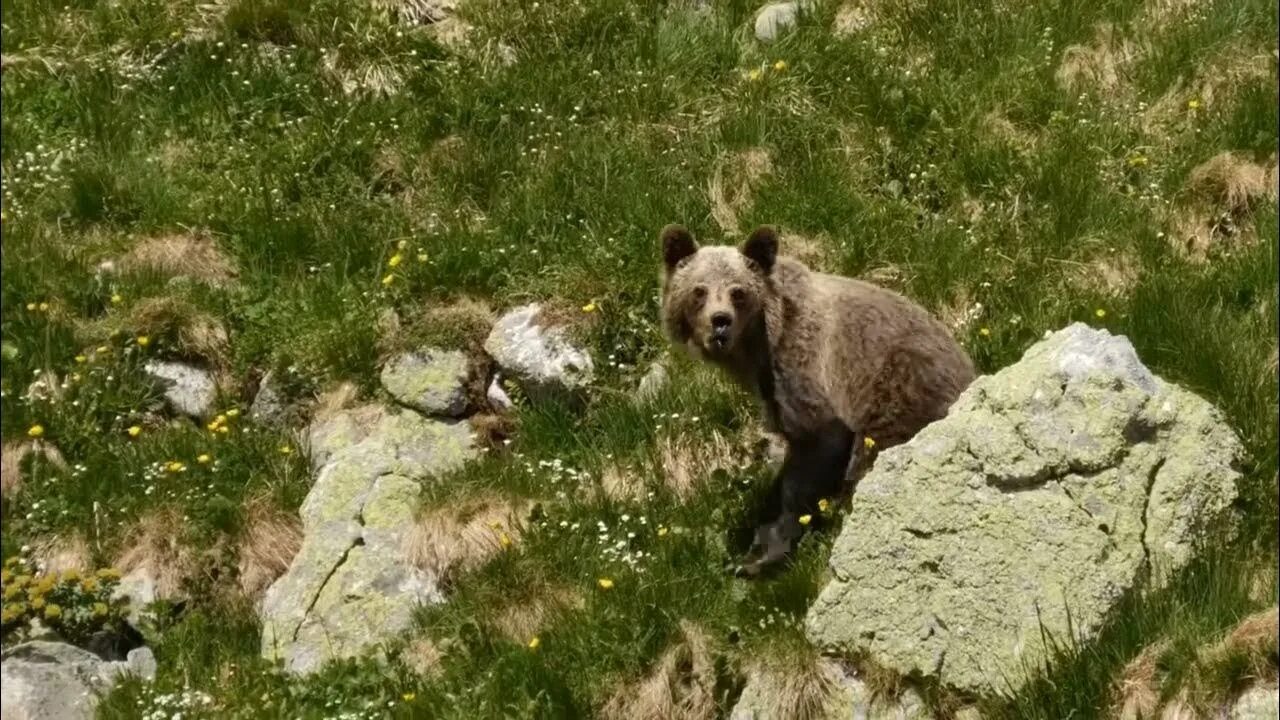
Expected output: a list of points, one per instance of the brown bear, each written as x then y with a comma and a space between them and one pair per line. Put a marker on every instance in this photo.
832, 360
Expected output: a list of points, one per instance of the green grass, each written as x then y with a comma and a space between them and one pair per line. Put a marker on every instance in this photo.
547, 179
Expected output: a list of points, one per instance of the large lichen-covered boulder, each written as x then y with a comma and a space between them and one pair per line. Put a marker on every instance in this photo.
430, 381
1050, 489
44, 680
539, 356
351, 587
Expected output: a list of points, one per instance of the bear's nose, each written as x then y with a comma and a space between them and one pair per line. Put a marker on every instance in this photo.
721, 321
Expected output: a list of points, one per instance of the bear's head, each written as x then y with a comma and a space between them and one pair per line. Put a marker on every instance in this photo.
714, 297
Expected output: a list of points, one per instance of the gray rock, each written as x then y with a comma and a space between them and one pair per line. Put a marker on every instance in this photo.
45, 680
189, 390
1049, 490
270, 406
430, 381
653, 382
351, 588
539, 357
775, 18
498, 398
767, 697
1259, 702
139, 586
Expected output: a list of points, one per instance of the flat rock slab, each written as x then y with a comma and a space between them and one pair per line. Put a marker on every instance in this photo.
1049, 490
430, 381
351, 588
43, 680
188, 390
539, 357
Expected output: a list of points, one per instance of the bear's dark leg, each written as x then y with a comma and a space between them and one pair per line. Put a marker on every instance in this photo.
815, 468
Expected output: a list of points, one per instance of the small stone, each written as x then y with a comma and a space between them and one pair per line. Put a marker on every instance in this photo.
189, 390
499, 400
539, 357
142, 662
1257, 703
430, 381
43, 680
653, 382
775, 18
269, 405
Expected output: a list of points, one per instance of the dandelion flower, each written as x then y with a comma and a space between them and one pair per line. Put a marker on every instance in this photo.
52, 611
100, 609
204, 458
408, 697
116, 299
143, 341
31, 307
806, 519
81, 359
1138, 160
662, 531
1193, 104
605, 583
89, 585
780, 65
44, 307
37, 603
754, 75
868, 442
134, 431
985, 332
534, 642
504, 540
286, 450
402, 244
213, 426
103, 350
35, 431
388, 280
224, 429
395, 260
823, 505
589, 307
233, 412
1100, 313
174, 466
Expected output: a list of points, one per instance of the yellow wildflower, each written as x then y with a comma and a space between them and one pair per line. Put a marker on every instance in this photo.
12, 592
753, 75
534, 642
224, 429
52, 611
286, 450
605, 583
103, 350
81, 359
44, 307
134, 431
806, 519
174, 466
985, 332
233, 412
780, 65
22, 580
45, 584
143, 341
109, 573
204, 458
8, 615
388, 280
504, 540
5, 576
1193, 104
37, 603
70, 575
408, 697
116, 299
868, 442
589, 307
221, 419
100, 609
402, 244
1138, 160
36, 431
31, 307
823, 505
662, 531
422, 257
89, 585
395, 260
1100, 313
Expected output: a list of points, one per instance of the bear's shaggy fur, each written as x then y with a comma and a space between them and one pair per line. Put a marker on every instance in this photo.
833, 360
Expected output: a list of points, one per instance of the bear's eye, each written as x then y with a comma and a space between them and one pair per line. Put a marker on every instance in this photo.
700, 293
738, 296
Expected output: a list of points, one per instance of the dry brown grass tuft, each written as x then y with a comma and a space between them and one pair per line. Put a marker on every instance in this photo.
523, 617
732, 185
853, 17
1136, 692
1214, 211
335, 400
493, 430
424, 657
1217, 82
196, 334
995, 125
800, 689
14, 453
417, 12
1113, 274
464, 535
154, 546
622, 484
686, 463
681, 686
1254, 638
1102, 66
192, 255
362, 76
62, 552
267, 546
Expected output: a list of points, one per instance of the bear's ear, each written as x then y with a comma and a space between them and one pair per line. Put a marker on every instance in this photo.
762, 247
677, 244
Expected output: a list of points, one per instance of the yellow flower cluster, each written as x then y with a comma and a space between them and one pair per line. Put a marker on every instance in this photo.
221, 424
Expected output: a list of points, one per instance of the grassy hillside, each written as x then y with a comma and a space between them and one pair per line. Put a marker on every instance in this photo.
308, 187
